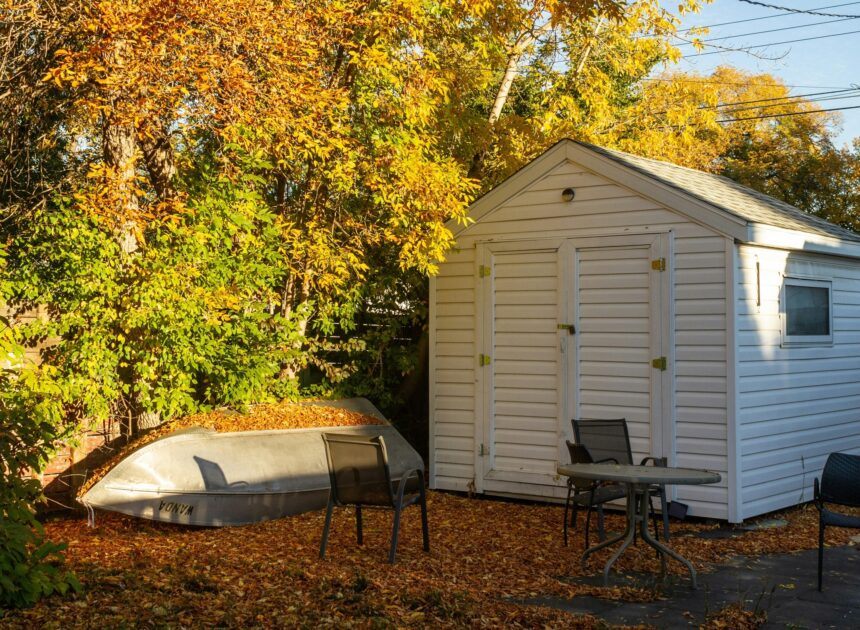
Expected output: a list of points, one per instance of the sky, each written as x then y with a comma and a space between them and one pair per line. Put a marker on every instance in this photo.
813, 66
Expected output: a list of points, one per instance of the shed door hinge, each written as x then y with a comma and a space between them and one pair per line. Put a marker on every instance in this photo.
484, 271
484, 359
658, 264
659, 363
481, 452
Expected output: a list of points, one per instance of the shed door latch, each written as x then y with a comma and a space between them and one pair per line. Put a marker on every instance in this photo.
659, 363
570, 328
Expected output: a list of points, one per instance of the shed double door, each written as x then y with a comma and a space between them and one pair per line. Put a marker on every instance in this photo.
537, 372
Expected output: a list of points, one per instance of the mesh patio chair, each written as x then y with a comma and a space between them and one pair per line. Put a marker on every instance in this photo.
609, 441
360, 476
587, 493
840, 485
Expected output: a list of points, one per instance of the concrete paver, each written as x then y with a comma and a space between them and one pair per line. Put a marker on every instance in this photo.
783, 585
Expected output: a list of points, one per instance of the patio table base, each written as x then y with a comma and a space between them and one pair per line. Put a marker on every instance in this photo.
637, 514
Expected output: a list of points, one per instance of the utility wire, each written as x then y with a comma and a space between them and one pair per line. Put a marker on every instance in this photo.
814, 111
789, 41
806, 87
815, 100
788, 99
777, 101
772, 30
766, 17
762, 117
790, 10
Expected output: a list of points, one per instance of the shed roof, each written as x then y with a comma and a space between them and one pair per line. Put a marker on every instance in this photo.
716, 190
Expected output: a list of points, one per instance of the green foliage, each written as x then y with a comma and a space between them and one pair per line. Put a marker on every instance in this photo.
30, 425
187, 322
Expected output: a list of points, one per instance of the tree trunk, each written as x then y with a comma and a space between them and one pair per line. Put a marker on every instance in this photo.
160, 165
519, 48
120, 155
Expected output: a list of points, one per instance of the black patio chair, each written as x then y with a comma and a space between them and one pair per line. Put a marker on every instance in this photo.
587, 493
840, 485
609, 441
360, 476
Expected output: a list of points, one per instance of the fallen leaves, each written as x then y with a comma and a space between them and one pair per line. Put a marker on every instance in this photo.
487, 560
262, 417
735, 617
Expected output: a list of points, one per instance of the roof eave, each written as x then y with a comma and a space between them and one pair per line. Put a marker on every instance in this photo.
782, 238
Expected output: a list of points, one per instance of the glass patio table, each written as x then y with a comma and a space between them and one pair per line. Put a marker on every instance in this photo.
638, 479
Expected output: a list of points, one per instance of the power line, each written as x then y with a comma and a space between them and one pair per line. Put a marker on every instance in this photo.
789, 41
747, 84
762, 117
780, 100
788, 99
772, 30
814, 100
815, 111
766, 17
790, 10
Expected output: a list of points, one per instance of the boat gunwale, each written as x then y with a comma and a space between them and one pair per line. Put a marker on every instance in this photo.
211, 492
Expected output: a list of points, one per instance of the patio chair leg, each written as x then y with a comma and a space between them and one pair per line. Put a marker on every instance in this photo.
820, 553
601, 531
358, 531
566, 509
326, 528
653, 515
394, 532
664, 511
425, 530
587, 523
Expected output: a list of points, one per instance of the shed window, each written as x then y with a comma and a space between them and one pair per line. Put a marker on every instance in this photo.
807, 312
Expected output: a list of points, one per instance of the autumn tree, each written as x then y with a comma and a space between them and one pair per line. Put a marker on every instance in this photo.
750, 128
213, 200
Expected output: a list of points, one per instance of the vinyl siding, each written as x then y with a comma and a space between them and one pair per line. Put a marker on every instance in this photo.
796, 404
454, 356
600, 208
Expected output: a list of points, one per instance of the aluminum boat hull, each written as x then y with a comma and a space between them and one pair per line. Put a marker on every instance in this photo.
199, 477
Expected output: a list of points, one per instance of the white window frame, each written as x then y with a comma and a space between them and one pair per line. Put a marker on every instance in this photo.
806, 340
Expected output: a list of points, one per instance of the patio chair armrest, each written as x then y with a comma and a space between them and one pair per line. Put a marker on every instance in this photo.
401, 487
604, 461
660, 462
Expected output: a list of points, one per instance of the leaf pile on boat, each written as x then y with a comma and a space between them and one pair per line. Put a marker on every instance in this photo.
262, 417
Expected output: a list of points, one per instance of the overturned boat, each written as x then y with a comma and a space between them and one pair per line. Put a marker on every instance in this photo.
199, 477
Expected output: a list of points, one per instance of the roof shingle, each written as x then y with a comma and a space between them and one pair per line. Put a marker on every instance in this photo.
716, 190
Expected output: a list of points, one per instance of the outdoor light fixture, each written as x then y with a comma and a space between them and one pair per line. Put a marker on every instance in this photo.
568, 194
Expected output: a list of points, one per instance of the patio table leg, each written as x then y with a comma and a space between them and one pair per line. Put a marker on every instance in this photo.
663, 549
627, 533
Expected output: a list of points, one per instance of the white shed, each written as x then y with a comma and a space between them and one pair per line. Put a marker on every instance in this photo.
722, 323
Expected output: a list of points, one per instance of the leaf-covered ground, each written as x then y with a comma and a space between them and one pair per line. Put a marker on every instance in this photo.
262, 417
486, 556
